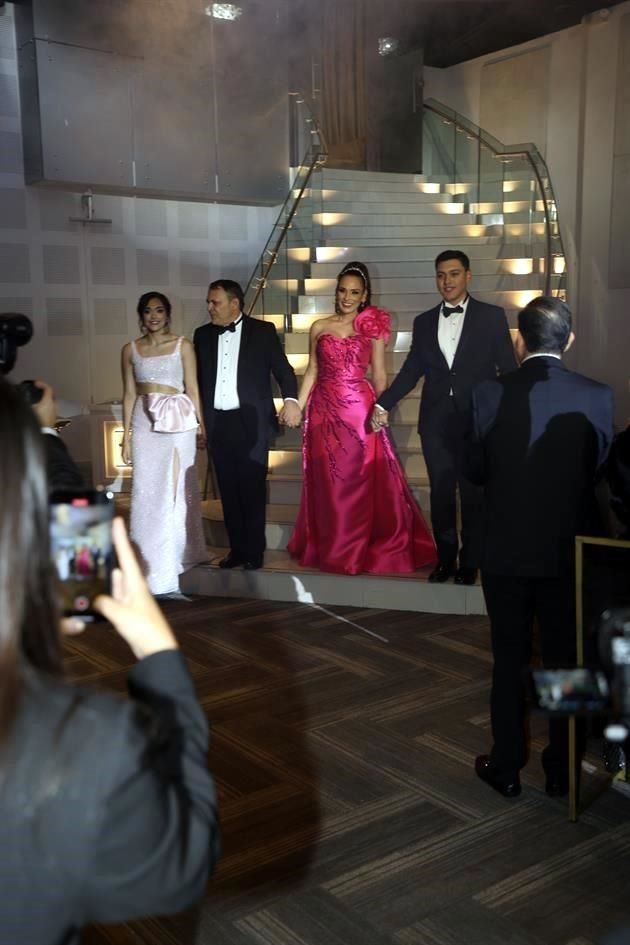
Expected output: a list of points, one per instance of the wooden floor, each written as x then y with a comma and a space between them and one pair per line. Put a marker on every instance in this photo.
343, 747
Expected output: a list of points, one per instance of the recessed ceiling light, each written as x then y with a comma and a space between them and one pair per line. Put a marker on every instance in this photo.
223, 11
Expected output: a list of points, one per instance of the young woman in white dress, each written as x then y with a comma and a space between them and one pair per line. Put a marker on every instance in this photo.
163, 426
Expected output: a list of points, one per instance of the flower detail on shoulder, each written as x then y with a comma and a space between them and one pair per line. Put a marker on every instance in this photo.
373, 322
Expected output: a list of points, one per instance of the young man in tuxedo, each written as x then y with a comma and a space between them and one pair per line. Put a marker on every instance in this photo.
236, 356
539, 437
454, 345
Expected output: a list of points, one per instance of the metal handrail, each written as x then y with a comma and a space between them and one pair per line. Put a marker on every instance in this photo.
527, 150
318, 157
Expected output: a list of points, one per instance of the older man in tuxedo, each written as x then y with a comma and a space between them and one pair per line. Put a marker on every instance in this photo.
539, 437
236, 356
454, 345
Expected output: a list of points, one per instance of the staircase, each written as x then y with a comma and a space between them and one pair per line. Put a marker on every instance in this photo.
396, 224
493, 201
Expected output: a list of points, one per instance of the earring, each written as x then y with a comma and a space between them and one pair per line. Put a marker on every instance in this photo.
361, 306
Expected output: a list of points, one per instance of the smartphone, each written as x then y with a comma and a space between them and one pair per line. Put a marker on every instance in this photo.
571, 691
82, 549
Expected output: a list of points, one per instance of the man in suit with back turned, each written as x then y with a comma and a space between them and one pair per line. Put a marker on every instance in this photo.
539, 437
236, 356
454, 345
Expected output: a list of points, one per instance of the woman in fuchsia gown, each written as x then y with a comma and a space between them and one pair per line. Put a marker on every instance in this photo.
357, 512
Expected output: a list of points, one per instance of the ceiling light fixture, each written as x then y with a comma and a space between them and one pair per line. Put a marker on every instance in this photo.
223, 11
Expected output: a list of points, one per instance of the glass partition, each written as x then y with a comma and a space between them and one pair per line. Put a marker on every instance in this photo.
274, 284
504, 188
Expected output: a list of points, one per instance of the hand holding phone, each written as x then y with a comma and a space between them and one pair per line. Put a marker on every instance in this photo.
81, 543
131, 608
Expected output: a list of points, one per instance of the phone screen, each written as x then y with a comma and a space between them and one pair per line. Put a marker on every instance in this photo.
82, 550
571, 691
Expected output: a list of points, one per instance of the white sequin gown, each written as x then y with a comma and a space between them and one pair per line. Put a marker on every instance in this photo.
166, 521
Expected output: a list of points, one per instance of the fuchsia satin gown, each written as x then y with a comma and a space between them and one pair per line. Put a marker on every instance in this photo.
357, 512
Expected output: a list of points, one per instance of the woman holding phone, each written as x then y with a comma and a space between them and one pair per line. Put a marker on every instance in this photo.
107, 810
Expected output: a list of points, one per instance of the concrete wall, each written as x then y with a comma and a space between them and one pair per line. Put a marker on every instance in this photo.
80, 284
569, 93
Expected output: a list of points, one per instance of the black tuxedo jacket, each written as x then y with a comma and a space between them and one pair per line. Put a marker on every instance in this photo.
539, 437
485, 348
63, 473
260, 356
107, 810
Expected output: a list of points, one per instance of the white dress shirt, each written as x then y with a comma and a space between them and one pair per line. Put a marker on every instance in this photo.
228, 348
450, 330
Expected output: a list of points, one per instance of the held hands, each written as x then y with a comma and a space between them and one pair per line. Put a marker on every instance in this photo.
131, 609
290, 415
379, 419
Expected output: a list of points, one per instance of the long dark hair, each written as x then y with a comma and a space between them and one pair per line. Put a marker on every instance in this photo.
29, 618
361, 270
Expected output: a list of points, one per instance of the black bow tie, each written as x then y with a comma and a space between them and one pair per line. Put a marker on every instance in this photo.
455, 310
231, 327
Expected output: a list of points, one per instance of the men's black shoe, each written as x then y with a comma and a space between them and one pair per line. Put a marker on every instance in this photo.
485, 770
466, 576
441, 574
555, 786
254, 565
231, 560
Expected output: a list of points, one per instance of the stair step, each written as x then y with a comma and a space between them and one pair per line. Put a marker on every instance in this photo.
404, 252
448, 228
408, 205
419, 302
364, 177
431, 240
282, 579
417, 269
387, 286
372, 198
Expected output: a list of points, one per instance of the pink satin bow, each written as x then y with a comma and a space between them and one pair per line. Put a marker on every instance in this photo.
171, 413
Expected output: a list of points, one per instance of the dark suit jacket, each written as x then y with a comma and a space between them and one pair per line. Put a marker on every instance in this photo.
539, 436
485, 348
260, 356
63, 473
100, 819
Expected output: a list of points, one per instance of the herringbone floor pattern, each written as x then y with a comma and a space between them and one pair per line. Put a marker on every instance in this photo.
350, 812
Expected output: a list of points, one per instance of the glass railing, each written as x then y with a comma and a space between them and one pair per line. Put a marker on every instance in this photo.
274, 284
504, 188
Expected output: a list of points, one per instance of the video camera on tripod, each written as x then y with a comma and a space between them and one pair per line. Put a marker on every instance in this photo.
605, 691
15, 331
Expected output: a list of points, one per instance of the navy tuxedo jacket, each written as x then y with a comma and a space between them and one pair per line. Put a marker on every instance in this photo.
485, 348
539, 437
260, 356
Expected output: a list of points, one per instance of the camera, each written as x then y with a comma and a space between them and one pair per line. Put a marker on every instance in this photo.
604, 691
15, 331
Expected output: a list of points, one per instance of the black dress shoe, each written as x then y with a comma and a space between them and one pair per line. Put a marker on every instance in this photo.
485, 770
231, 560
441, 574
465, 576
254, 565
555, 786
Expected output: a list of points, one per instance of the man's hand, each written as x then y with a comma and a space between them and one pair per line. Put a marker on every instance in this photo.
290, 415
379, 419
46, 409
